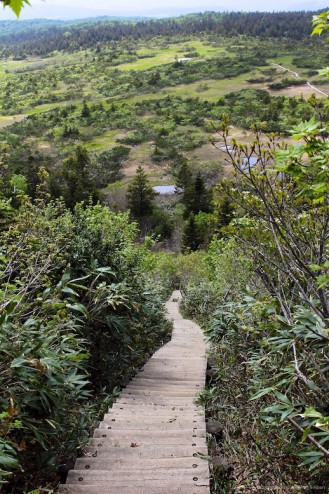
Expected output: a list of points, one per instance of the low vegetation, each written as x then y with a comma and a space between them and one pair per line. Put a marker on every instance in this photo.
263, 304
78, 318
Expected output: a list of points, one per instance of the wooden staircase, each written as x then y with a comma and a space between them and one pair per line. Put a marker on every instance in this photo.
153, 440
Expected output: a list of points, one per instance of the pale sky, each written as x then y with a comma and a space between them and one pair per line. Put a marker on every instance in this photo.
69, 9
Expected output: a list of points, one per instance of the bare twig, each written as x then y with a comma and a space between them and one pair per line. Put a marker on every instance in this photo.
310, 438
299, 372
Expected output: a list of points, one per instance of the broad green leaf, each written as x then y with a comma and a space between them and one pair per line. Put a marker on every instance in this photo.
311, 412
69, 291
79, 307
306, 432
261, 393
16, 5
285, 414
315, 267
312, 454
8, 461
282, 397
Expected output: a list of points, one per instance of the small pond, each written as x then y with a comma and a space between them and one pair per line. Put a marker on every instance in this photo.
165, 189
249, 163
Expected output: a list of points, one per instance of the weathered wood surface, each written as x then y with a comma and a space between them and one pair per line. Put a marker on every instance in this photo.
153, 439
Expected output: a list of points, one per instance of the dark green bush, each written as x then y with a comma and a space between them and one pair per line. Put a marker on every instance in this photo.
78, 317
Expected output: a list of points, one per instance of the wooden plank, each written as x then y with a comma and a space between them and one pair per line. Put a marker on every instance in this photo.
158, 408
139, 463
141, 426
148, 381
148, 440
136, 383
136, 393
147, 452
157, 400
160, 416
200, 474
137, 487
172, 376
154, 411
160, 434
152, 424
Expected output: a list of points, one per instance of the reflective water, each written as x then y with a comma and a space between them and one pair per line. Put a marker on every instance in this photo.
165, 189
249, 163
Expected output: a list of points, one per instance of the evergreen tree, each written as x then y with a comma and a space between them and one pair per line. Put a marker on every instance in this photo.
183, 178
197, 197
224, 213
140, 195
85, 112
75, 181
107, 165
191, 238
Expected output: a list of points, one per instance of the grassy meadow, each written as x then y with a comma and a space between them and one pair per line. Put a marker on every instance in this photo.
121, 76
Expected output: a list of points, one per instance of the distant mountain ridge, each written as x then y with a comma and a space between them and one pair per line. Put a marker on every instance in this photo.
68, 13
14, 27
40, 37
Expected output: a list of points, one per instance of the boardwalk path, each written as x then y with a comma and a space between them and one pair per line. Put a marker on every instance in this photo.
153, 439
296, 74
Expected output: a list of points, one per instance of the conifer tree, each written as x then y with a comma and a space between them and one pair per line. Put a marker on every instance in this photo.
191, 238
197, 197
140, 195
224, 213
75, 181
183, 178
85, 112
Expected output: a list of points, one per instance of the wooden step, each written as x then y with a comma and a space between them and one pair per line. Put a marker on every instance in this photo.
139, 463
137, 487
145, 381
137, 392
157, 400
181, 386
147, 440
141, 434
200, 475
132, 414
152, 408
147, 452
164, 423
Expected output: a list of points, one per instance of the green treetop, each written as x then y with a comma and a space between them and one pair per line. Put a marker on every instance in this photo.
74, 181
140, 195
191, 240
183, 177
197, 197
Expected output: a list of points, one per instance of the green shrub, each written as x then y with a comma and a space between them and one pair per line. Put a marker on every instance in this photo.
161, 266
78, 317
200, 301
192, 269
